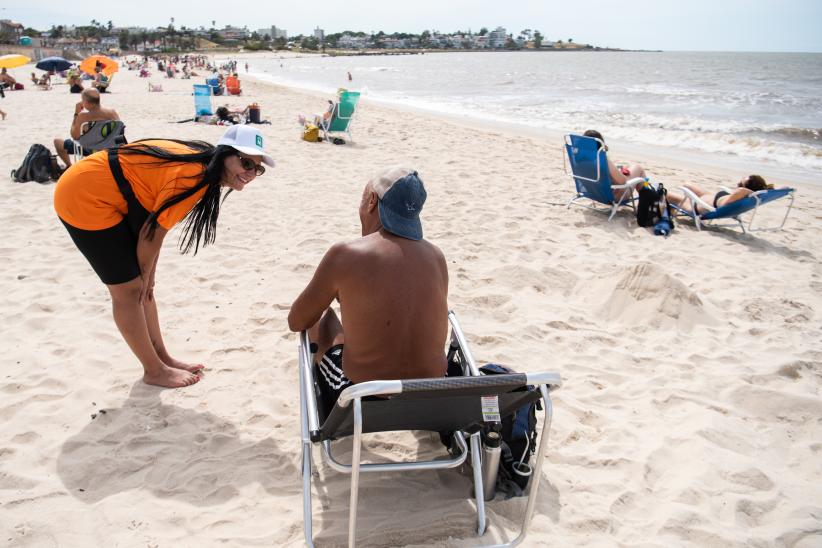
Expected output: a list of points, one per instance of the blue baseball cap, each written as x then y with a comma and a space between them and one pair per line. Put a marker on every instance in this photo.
402, 195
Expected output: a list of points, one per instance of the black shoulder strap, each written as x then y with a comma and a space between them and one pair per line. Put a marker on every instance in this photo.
122, 182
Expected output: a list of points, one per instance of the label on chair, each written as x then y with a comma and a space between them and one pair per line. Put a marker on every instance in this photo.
490, 408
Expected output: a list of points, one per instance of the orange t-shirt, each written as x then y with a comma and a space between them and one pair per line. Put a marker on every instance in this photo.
87, 197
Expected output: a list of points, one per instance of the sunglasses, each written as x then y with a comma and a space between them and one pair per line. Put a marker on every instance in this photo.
248, 164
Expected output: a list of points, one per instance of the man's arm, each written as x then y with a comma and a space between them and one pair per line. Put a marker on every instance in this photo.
319, 293
80, 118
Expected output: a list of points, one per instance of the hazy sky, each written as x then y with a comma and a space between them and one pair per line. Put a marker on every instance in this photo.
719, 25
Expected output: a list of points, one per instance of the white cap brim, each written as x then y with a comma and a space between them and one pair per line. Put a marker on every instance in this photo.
251, 151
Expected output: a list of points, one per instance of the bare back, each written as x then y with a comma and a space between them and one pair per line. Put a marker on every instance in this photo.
393, 295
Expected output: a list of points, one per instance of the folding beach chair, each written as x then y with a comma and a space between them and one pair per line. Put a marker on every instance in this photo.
214, 86
708, 213
589, 170
340, 121
453, 404
202, 101
99, 135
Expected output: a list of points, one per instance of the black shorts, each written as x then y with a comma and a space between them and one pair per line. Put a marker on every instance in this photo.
111, 252
330, 379
69, 145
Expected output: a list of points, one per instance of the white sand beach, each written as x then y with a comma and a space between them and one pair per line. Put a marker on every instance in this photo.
690, 413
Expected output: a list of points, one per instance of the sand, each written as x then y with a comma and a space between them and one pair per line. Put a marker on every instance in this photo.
690, 413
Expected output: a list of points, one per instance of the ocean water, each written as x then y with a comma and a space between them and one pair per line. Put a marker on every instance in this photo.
762, 107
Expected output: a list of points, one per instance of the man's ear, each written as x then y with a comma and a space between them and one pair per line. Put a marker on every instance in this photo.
373, 200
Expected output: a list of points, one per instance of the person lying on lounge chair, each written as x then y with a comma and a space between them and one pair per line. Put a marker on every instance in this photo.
744, 188
44, 82
392, 286
620, 174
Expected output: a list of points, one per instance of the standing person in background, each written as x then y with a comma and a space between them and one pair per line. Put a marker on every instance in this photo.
118, 205
349, 76
246, 67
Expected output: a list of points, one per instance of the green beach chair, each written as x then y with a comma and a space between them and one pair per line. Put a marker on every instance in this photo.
340, 121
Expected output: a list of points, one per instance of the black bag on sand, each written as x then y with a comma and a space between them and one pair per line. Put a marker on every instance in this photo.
38, 165
647, 209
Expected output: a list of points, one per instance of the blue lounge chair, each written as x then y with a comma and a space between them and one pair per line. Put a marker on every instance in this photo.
589, 169
451, 404
340, 121
202, 101
708, 213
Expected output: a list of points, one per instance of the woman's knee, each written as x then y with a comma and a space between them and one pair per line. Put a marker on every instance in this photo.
126, 293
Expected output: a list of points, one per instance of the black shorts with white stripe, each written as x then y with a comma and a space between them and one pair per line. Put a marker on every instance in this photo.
330, 378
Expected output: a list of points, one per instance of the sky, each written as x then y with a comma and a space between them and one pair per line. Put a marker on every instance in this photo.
691, 25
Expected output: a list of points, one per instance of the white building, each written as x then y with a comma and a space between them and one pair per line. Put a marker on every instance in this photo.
233, 33
352, 42
319, 34
273, 33
497, 37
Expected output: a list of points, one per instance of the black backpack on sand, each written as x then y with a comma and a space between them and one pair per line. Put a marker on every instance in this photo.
648, 205
38, 165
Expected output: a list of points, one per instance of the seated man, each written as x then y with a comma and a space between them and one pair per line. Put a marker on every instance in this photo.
87, 110
232, 85
392, 287
6, 80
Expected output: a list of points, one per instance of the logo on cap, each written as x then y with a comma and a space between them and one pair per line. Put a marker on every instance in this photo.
260, 141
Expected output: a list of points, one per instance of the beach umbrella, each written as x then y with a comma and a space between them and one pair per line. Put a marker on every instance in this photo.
110, 66
13, 61
53, 64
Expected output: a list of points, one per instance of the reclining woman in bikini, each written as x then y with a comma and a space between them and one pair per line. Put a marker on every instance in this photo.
745, 187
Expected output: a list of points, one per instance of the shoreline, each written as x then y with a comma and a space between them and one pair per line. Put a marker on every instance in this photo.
680, 158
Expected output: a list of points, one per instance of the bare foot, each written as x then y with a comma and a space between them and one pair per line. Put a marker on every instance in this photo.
171, 378
177, 364
3, 114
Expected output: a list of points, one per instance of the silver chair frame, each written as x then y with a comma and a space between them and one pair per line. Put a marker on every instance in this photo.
309, 421
632, 183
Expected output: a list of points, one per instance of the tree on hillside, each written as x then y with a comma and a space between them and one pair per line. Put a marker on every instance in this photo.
570, 40
537, 39
483, 31
124, 38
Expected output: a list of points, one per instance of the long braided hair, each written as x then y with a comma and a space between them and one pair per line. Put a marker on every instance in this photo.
201, 221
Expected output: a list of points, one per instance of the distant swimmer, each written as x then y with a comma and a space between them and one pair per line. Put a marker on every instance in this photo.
349, 77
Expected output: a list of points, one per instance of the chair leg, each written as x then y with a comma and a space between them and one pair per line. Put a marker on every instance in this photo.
307, 517
476, 464
355, 473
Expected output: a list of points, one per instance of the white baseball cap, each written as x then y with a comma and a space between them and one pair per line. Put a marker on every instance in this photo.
247, 140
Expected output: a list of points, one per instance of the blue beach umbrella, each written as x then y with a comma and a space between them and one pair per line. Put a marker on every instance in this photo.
54, 64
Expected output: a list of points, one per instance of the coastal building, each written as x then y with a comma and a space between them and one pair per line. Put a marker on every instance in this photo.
319, 34
233, 33
273, 32
497, 38
348, 41
12, 28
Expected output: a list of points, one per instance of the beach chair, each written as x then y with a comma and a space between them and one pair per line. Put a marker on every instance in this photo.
202, 101
214, 86
589, 170
99, 135
341, 116
734, 210
448, 404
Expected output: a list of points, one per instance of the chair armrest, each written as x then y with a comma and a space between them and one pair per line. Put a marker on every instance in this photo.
696, 200
630, 184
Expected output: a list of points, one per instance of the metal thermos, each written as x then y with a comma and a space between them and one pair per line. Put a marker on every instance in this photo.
490, 463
